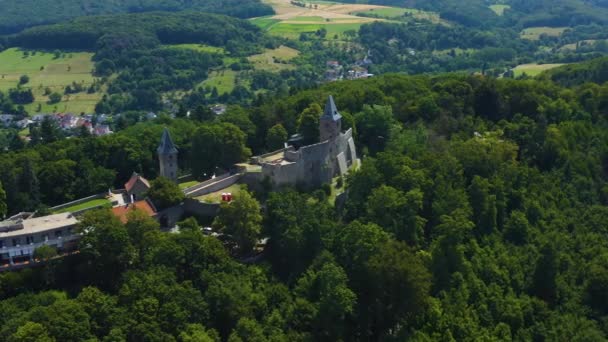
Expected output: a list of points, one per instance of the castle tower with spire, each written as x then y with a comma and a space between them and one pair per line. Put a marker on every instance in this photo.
167, 157
330, 124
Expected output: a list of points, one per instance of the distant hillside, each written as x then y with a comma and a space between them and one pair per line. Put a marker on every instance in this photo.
525, 13
18, 15
146, 29
573, 74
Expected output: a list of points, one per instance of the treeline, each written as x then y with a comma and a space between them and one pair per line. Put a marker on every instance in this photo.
578, 73
418, 48
478, 213
522, 13
16, 16
147, 28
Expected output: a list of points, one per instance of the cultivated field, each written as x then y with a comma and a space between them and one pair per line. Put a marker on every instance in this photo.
46, 71
534, 33
533, 69
290, 20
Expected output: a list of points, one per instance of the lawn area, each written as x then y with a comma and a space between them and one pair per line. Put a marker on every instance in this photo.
274, 59
46, 71
533, 69
534, 33
499, 9
216, 197
86, 205
187, 184
199, 48
224, 80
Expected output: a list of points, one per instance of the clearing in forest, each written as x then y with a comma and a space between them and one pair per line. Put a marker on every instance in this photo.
533, 69
534, 33
499, 9
53, 71
274, 59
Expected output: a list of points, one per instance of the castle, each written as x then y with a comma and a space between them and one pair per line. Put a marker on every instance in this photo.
316, 164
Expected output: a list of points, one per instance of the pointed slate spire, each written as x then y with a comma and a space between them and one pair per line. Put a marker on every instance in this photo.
166, 144
331, 112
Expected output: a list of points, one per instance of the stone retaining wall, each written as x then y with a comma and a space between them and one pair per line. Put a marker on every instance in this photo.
217, 185
198, 186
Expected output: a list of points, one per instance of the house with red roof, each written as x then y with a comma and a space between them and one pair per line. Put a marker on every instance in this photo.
123, 211
137, 186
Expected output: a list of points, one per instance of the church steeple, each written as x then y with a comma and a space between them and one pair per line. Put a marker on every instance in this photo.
330, 124
167, 156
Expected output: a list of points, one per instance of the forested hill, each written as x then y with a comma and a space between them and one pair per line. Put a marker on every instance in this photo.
18, 15
478, 214
142, 28
524, 13
595, 70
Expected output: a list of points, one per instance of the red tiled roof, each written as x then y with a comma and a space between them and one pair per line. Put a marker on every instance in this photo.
144, 205
134, 179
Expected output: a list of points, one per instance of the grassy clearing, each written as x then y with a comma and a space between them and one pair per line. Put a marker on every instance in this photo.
224, 80
457, 52
291, 30
86, 205
264, 22
186, 185
396, 12
533, 69
582, 43
46, 71
274, 60
313, 19
534, 33
386, 12
499, 9
199, 48
216, 197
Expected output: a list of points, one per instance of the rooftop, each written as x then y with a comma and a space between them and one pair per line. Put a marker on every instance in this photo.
122, 211
166, 144
135, 177
40, 224
331, 111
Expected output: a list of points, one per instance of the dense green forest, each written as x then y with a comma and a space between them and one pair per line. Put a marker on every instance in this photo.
473, 37
595, 70
18, 15
479, 213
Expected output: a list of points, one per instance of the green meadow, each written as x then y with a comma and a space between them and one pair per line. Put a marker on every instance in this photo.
46, 71
499, 9
533, 69
291, 30
534, 33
